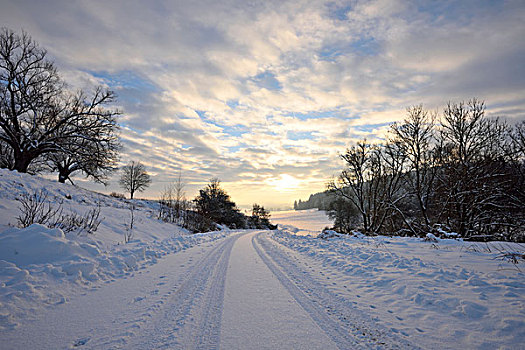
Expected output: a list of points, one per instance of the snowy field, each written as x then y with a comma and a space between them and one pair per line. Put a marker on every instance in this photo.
302, 222
244, 289
448, 292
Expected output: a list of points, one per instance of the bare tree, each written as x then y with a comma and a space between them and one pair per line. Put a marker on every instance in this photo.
414, 136
472, 181
371, 182
166, 204
37, 116
518, 138
173, 204
7, 159
134, 178
180, 196
94, 153
466, 174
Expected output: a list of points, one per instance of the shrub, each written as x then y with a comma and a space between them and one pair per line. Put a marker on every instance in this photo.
37, 209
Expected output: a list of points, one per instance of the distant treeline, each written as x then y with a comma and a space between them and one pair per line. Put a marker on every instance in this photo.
321, 200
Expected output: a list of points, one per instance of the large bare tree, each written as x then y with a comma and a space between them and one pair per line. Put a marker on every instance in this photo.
371, 182
473, 179
94, 151
37, 116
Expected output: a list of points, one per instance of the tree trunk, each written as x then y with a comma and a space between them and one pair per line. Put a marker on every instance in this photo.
62, 178
22, 162
63, 172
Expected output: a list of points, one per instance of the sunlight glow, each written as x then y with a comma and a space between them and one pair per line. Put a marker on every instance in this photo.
285, 183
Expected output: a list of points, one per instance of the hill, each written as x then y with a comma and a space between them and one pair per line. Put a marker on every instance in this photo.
42, 266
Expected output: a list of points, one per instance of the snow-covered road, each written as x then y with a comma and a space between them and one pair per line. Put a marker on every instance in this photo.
241, 292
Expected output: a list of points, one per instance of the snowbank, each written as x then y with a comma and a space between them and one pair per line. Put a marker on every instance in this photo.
37, 244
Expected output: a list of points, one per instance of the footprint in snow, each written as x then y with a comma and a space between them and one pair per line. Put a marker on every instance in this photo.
80, 342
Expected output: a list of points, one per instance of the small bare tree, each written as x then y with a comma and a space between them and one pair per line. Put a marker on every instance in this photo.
128, 235
134, 178
173, 205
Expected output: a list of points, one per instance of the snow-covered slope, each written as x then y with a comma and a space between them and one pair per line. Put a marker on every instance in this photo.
40, 266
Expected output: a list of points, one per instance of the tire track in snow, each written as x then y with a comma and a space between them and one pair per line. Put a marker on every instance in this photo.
342, 323
192, 318
190, 315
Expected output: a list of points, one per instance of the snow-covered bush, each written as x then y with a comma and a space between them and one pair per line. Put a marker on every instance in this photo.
117, 195
327, 234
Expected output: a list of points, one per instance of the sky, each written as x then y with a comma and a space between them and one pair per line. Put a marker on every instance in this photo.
264, 95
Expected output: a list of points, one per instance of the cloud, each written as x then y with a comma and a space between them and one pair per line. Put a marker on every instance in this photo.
265, 95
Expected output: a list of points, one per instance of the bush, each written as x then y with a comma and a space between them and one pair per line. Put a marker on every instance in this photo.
37, 209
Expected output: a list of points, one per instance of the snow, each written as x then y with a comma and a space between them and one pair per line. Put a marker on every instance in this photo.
42, 267
37, 244
302, 222
280, 320
448, 292
245, 289
327, 234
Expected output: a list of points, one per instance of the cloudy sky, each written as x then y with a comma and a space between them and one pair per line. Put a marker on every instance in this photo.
265, 94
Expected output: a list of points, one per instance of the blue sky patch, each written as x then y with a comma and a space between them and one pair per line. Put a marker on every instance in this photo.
299, 135
267, 80
232, 103
126, 79
339, 13
317, 115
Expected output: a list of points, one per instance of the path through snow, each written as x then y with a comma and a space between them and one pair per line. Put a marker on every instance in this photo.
240, 292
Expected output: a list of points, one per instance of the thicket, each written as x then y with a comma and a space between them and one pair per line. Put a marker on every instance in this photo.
211, 209
462, 173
